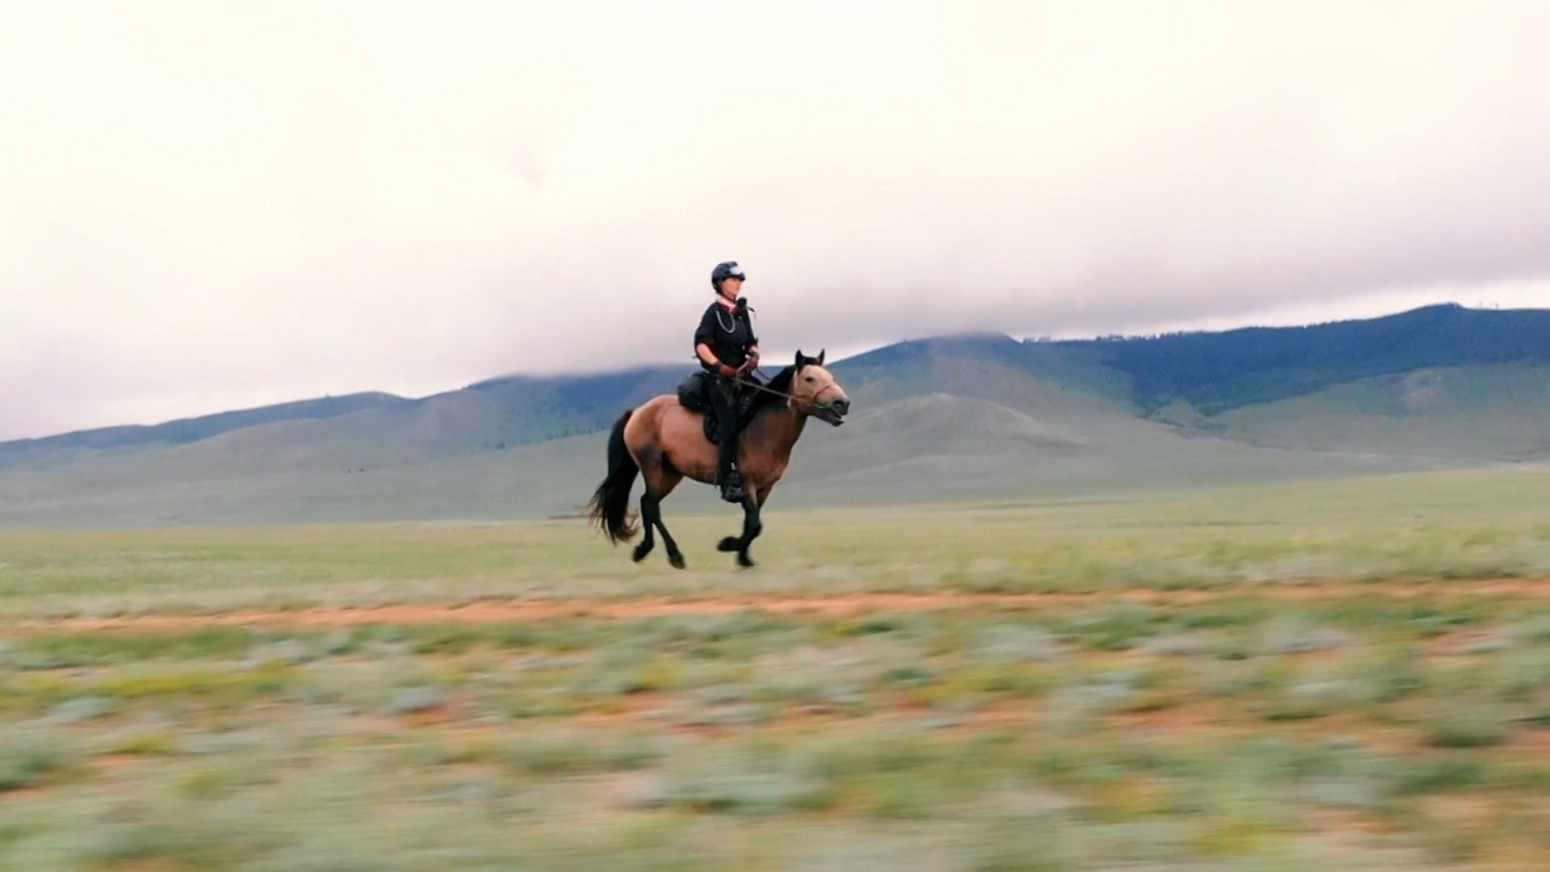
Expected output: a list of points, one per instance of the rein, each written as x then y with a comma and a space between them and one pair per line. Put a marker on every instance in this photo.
758, 387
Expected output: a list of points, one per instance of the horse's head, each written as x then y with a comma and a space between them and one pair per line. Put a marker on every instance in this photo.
815, 392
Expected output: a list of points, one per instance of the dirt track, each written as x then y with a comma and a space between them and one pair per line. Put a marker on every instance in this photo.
854, 605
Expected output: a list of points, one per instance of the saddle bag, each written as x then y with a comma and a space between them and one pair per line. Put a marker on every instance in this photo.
691, 393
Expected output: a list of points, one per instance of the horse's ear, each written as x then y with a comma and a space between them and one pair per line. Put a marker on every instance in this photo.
800, 357
821, 353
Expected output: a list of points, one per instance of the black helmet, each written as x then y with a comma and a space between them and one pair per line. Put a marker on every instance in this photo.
724, 271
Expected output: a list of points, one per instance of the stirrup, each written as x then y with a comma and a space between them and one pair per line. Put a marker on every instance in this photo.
732, 487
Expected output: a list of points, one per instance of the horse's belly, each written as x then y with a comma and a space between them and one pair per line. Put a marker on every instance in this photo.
685, 445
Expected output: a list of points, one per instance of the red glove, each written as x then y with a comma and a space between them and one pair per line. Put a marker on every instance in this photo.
728, 372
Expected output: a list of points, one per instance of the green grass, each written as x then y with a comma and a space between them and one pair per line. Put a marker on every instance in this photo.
321, 772
1253, 729
1447, 527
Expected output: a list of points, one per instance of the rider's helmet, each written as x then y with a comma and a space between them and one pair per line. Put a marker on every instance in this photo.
724, 271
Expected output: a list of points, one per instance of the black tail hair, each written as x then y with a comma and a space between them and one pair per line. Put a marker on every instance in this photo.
610, 506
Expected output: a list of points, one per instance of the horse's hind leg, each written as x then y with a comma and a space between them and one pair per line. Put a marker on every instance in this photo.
650, 463
649, 541
659, 484
651, 514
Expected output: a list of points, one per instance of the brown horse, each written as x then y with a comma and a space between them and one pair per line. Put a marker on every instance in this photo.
666, 443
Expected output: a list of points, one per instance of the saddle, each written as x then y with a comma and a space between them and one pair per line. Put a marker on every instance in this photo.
693, 395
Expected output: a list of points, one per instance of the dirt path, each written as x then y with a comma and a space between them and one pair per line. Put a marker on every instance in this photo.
853, 605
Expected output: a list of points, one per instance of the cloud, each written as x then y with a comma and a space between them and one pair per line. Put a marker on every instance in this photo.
206, 206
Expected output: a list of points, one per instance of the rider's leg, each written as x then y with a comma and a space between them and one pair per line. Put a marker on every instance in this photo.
723, 406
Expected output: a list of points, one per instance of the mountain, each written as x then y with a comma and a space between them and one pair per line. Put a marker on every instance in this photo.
365, 430
71, 446
1217, 372
946, 418
1499, 411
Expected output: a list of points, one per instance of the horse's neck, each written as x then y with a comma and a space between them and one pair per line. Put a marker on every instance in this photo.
781, 427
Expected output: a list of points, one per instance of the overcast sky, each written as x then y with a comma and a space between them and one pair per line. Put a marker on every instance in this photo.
206, 206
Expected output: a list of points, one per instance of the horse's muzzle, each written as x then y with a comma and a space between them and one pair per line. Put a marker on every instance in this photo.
834, 413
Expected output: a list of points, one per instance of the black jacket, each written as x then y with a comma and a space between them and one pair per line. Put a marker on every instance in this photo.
729, 334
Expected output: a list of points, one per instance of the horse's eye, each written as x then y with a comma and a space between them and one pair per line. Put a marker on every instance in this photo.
811, 380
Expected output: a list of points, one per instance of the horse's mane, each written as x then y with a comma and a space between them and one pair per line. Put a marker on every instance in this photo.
781, 382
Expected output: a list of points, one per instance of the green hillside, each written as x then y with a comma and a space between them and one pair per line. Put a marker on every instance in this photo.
1492, 411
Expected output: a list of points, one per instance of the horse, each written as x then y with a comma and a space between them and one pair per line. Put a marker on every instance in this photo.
665, 443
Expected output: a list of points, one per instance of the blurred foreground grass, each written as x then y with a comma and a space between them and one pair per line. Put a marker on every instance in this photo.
1251, 730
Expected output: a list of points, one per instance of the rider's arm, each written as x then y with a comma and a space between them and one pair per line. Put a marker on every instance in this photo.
753, 343
709, 357
702, 337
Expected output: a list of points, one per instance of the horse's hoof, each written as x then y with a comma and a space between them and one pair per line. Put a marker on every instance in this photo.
745, 561
730, 543
640, 552
676, 559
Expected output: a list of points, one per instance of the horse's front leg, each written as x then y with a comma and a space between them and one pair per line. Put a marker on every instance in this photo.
752, 527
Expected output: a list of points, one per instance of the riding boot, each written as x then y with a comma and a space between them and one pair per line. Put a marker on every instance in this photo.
731, 478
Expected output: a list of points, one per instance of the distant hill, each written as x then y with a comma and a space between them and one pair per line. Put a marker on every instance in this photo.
53, 449
947, 418
1499, 411
1215, 372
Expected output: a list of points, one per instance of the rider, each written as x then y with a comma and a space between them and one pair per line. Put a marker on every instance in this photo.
728, 349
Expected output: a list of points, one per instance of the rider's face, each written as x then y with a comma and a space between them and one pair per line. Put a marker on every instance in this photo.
730, 288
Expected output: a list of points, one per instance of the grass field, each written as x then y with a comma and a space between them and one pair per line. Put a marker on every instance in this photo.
1350, 675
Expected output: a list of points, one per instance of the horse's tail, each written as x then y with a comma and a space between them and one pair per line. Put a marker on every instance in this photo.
610, 505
